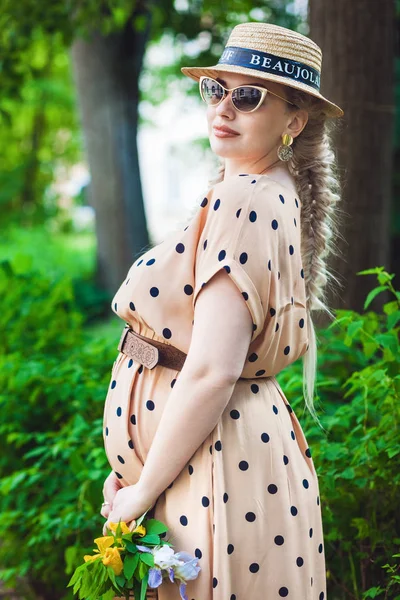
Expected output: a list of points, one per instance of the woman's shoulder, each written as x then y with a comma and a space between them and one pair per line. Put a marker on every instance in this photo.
257, 194
249, 202
240, 185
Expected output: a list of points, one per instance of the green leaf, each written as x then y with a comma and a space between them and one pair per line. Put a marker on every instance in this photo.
373, 271
137, 589
373, 592
393, 319
130, 546
372, 294
147, 558
335, 452
109, 595
390, 307
141, 518
100, 576
389, 340
391, 452
111, 575
142, 569
150, 539
144, 587
74, 577
120, 579
130, 564
348, 473
354, 327
370, 348
154, 526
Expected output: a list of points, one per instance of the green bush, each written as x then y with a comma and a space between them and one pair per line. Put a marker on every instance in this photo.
52, 252
358, 459
54, 374
54, 378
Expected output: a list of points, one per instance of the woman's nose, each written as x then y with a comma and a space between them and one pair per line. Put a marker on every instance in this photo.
225, 104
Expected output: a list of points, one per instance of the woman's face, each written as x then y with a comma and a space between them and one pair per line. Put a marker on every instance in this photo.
259, 132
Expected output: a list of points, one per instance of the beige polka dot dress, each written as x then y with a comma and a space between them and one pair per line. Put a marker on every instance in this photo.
247, 502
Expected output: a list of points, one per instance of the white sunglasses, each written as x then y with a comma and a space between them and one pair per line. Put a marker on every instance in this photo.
245, 98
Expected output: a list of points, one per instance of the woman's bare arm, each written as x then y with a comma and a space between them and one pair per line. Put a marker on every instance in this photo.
221, 336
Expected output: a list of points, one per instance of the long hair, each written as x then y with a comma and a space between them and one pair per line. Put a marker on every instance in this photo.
315, 171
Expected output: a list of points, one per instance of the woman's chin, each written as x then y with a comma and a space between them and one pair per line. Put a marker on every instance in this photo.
222, 149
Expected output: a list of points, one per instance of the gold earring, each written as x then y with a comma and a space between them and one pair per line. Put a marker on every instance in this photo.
285, 152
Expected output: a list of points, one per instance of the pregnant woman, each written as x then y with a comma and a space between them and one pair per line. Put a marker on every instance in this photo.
196, 425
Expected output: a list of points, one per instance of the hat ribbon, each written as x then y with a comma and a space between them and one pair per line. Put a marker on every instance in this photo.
270, 63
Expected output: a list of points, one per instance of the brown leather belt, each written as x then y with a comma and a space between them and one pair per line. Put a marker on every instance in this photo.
150, 352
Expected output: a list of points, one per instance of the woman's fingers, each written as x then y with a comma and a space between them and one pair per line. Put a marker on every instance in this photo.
111, 486
105, 510
109, 494
115, 485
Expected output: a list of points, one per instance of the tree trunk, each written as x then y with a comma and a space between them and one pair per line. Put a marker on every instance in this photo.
107, 70
357, 41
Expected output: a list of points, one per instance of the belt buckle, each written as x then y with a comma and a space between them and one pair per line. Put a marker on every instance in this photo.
142, 351
145, 353
122, 338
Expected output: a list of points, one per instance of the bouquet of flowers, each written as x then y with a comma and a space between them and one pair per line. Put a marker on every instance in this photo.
130, 561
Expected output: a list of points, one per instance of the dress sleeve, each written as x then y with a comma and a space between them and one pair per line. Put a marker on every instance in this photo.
241, 235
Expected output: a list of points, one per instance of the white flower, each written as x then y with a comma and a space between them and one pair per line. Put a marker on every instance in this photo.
164, 557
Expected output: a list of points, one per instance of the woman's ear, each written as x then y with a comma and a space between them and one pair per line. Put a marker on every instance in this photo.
297, 122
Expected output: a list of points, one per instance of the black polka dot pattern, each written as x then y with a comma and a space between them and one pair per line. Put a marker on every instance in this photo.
283, 592
256, 462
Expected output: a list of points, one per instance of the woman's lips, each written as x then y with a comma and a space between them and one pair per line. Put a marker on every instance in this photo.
222, 134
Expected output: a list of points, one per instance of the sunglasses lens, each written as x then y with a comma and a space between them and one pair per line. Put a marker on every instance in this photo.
246, 98
211, 91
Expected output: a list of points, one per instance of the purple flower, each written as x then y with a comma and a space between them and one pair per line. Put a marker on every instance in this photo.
181, 566
182, 591
189, 569
155, 577
144, 548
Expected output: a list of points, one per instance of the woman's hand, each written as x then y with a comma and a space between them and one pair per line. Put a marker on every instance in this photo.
129, 504
111, 486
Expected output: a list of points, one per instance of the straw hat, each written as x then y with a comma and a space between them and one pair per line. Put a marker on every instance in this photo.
273, 53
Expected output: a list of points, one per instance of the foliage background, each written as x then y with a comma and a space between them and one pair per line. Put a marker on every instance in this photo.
58, 339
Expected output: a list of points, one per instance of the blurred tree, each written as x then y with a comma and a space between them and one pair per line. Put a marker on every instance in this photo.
107, 70
358, 71
40, 131
111, 38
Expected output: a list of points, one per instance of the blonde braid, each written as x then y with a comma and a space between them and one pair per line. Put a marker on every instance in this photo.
314, 169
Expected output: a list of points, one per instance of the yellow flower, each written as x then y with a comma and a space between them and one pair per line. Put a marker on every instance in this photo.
103, 549
140, 530
124, 527
88, 557
112, 558
103, 543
